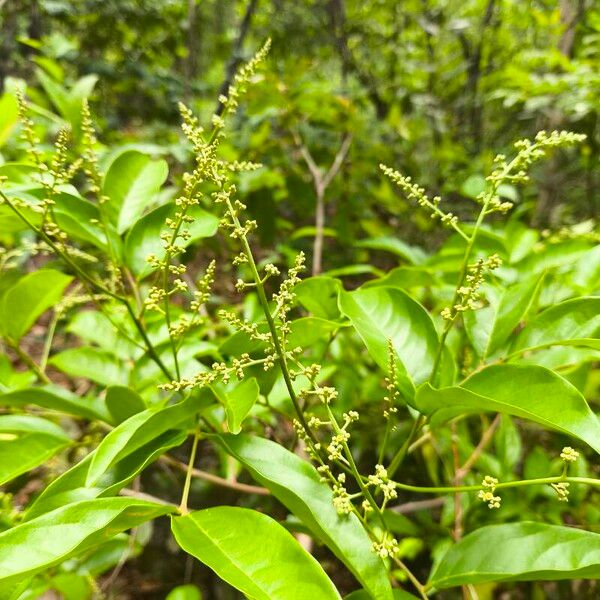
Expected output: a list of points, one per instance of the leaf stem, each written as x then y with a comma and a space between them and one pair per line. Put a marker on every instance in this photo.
28, 361
183, 506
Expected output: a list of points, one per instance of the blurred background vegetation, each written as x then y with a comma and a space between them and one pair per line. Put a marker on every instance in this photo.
434, 88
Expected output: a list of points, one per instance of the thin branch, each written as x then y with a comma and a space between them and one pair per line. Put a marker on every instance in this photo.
234, 485
486, 438
321, 182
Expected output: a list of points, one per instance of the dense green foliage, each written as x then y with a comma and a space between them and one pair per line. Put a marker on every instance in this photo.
334, 382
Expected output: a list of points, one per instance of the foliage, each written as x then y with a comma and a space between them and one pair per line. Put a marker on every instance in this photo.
414, 420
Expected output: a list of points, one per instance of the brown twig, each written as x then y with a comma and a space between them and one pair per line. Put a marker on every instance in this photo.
234, 485
321, 182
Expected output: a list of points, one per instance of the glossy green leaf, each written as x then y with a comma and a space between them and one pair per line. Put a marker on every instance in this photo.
122, 402
573, 322
413, 254
306, 331
27, 442
298, 486
92, 363
319, 296
59, 399
382, 313
137, 431
131, 183
96, 328
237, 401
253, 553
71, 485
491, 326
144, 237
525, 391
404, 278
524, 551
43, 542
31, 296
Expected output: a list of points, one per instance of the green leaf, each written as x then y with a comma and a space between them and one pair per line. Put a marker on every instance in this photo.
137, 431
31, 296
70, 486
319, 296
573, 322
48, 540
99, 366
184, 592
382, 313
59, 399
144, 237
97, 328
525, 391
524, 551
491, 326
122, 402
404, 278
237, 401
413, 254
131, 183
9, 116
27, 442
225, 539
298, 486
307, 331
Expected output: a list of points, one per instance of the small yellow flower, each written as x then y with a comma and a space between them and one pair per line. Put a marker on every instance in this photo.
568, 454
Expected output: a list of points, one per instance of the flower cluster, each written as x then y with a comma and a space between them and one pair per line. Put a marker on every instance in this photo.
387, 547
90, 160
414, 192
240, 81
468, 293
383, 484
562, 490
568, 454
487, 493
393, 394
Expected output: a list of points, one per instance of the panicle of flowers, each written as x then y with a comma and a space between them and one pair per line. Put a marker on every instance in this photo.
90, 159
528, 152
219, 372
487, 493
387, 547
392, 397
580, 231
468, 293
237, 166
340, 437
415, 192
49, 177
28, 133
240, 82
342, 500
284, 298
11, 259
251, 329
382, 483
